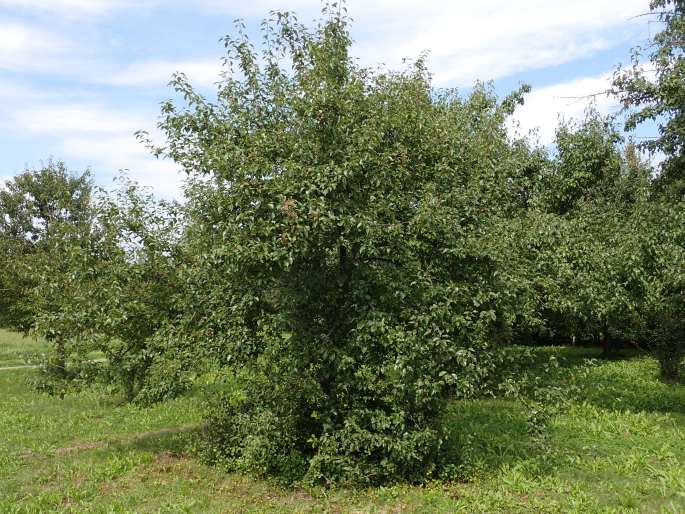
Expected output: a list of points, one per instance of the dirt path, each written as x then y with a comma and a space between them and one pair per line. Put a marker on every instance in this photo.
33, 366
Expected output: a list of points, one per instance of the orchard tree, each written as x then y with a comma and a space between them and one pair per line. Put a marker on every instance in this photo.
574, 260
655, 91
661, 254
564, 247
587, 164
341, 264
119, 284
133, 281
34, 206
41, 211
35, 201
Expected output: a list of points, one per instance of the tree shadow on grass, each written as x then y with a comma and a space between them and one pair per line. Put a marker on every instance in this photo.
178, 440
630, 383
484, 436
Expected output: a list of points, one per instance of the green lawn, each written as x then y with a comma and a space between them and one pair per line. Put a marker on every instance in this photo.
621, 449
14, 348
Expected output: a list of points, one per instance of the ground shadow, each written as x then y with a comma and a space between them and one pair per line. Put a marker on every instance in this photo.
177, 440
484, 435
628, 383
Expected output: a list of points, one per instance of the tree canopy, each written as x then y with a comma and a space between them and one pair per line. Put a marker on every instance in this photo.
655, 91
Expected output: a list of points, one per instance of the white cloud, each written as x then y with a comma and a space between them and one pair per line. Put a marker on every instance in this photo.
76, 118
494, 38
468, 41
23, 46
29, 48
487, 40
545, 106
108, 155
260, 8
14, 91
70, 8
201, 72
86, 133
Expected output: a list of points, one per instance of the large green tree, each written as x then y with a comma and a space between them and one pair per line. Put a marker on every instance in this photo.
340, 263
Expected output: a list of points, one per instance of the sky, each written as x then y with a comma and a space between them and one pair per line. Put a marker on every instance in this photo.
79, 77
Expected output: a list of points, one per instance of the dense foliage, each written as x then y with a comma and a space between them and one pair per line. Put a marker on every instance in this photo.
34, 207
342, 260
115, 288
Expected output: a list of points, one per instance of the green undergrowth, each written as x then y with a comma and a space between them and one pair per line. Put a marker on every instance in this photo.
616, 445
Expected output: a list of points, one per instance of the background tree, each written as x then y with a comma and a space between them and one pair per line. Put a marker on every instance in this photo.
40, 210
118, 286
655, 91
134, 280
659, 257
586, 167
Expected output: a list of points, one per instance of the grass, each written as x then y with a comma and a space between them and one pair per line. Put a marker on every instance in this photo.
618, 448
15, 347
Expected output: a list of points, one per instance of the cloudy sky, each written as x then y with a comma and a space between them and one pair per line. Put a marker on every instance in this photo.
78, 77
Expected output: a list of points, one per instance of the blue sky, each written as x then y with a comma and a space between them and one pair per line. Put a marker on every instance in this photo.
78, 77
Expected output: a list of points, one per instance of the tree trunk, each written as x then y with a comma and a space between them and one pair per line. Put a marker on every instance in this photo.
58, 361
607, 350
670, 368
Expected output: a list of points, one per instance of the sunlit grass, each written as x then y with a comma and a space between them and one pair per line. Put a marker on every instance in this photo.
620, 448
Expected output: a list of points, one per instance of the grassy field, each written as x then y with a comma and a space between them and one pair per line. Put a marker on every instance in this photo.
14, 348
620, 448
